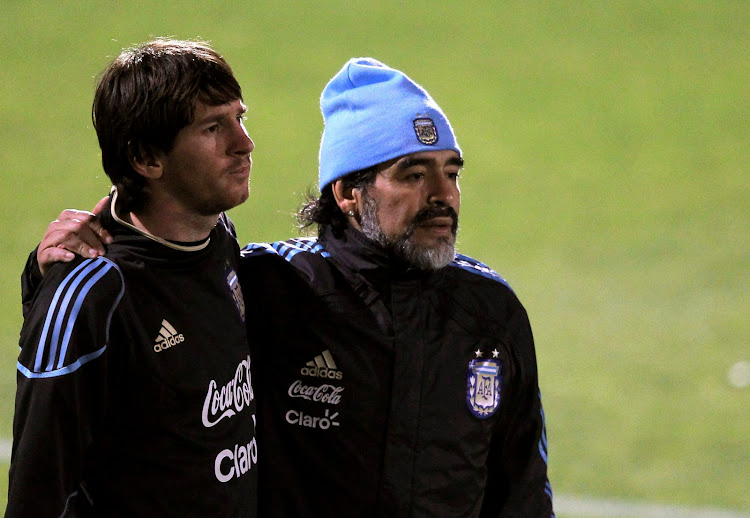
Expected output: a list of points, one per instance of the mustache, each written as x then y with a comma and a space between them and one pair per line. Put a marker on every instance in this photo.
435, 212
430, 213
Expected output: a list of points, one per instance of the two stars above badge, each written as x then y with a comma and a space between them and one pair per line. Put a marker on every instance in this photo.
495, 353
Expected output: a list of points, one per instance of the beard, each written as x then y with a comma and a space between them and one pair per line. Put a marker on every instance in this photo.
404, 246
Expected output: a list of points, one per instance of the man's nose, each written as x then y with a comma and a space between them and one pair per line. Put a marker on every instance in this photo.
442, 190
243, 144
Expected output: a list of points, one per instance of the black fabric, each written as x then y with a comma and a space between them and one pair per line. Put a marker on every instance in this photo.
387, 430
151, 403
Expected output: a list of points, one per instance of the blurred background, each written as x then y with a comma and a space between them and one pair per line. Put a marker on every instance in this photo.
607, 179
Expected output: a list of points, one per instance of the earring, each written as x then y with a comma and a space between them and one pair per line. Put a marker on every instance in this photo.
351, 213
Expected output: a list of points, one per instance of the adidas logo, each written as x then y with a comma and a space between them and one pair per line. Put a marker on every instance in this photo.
322, 366
168, 337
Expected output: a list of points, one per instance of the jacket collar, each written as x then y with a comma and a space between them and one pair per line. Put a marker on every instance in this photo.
143, 244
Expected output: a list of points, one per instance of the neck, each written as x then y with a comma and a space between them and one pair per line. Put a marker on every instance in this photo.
174, 227
169, 222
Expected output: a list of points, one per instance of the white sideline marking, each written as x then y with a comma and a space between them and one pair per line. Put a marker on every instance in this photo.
599, 508
5, 446
582, 507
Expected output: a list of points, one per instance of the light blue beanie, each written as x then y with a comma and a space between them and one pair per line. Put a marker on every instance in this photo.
374, 113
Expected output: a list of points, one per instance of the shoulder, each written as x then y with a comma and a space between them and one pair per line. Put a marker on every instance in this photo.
463, 264
303, 257
483, 301
287, 249
480, 288
84, 278
68, 322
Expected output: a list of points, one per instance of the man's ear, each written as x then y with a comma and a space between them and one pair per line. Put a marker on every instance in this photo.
145, 160
349, 199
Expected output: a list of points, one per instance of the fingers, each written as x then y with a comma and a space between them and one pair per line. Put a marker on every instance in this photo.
76, 231
49, 256
100, 206
95, 224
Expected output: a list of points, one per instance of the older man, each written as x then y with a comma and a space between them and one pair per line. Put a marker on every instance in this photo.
397, 378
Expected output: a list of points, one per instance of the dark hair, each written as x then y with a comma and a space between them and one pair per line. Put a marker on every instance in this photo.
146, 96
324, 211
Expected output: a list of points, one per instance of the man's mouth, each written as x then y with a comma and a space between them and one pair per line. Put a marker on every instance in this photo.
441, 220
437, 222
243, 170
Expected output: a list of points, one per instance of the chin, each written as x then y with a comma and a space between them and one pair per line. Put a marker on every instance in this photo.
219, 206
432, 257
238, 199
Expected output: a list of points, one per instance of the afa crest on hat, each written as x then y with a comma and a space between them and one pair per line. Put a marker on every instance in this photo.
426, 131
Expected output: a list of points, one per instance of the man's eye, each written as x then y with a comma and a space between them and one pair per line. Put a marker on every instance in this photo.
213, 128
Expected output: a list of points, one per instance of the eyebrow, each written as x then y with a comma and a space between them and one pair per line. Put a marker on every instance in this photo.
408, 162
219, 116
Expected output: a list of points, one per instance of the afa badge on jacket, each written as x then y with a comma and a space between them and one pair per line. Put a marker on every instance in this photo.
483, 383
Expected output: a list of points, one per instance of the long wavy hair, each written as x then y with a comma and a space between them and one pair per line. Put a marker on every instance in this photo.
323, 211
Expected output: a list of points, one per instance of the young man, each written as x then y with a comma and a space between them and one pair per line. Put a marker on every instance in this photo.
397, 379
134, 390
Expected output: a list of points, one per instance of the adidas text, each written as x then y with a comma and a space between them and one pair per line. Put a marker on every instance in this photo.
168, 337
166, 343
322, 366
321, 372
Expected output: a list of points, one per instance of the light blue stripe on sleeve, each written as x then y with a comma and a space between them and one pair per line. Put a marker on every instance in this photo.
542, 450
77, 308
60, 290
66, 370
543, 438
59, 321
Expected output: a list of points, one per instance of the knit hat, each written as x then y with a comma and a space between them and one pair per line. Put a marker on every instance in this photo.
374, 113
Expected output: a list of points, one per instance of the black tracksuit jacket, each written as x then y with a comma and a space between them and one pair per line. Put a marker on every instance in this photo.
134, 393
389, 392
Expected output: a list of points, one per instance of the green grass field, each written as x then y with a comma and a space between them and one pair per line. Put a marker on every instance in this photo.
607, 178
